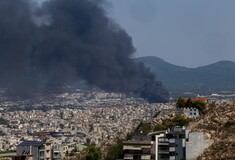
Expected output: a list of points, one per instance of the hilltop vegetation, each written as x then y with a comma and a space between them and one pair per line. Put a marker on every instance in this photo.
169, 121
218, 123
115, 151
189, 103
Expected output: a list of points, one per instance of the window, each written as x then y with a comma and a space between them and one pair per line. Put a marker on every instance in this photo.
41, 153
153, 138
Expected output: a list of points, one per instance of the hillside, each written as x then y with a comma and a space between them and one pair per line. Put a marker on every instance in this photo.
219, 122
208, 79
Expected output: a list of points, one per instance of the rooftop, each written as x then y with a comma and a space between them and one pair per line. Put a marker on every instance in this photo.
32, 143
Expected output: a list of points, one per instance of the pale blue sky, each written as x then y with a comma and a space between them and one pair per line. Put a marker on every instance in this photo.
184, 32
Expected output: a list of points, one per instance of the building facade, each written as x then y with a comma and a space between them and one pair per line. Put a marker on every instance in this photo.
40, 150
139, 148
169, 145
195, 145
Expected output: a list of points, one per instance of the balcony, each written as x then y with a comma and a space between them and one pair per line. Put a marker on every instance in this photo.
163, 140
172, 141
172, 149
163, 151
163, 144
131, 147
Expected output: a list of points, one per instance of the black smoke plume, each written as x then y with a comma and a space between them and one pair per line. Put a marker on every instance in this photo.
64, 41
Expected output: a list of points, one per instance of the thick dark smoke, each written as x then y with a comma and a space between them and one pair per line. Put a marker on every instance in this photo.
64, 41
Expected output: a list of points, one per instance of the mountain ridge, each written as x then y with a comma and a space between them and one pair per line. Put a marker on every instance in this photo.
160, 59
215, 77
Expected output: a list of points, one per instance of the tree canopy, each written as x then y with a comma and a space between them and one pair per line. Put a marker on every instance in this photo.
94, 153
201, 106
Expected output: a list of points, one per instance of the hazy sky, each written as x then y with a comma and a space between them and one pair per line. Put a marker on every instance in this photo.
184, 32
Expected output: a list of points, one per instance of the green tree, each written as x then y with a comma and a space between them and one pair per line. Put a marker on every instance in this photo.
94, 153
115, 151
156, 114
3, 121
180, 102
180, 120
229, 124
129, 135
199, 105
67, 153
144, 128
189, 103
75, 149
160, 127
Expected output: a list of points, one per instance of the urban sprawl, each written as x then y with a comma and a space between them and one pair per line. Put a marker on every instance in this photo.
75, 119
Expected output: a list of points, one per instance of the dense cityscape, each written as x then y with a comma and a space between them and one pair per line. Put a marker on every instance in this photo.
78, 119
117, 80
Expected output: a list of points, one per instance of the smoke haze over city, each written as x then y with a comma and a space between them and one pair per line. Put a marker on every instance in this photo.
62, 42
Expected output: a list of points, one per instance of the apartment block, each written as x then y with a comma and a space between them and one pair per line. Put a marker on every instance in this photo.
139, 148
169, 145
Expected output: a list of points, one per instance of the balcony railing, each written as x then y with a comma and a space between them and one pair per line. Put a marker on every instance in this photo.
172, 141
172, 149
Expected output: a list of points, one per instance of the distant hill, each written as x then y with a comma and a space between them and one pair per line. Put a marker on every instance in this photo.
217, 77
